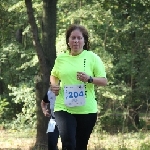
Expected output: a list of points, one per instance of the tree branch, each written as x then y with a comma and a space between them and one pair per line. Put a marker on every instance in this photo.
36, 40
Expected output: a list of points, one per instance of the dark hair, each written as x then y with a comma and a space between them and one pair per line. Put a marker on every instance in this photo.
84, 33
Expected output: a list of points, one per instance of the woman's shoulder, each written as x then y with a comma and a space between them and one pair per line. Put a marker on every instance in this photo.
91, 53
62, 54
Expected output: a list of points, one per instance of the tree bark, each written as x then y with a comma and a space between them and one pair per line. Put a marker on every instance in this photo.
46, 56
19, 35
49, 31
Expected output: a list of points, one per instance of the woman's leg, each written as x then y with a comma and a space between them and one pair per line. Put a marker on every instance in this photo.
85, 124
53, 139
67, 129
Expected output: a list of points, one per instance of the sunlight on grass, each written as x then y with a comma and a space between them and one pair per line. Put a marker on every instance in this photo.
127, 141
14, 140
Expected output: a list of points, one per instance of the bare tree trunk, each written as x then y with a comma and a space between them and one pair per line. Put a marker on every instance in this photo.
49, 31
46, 56
19, 35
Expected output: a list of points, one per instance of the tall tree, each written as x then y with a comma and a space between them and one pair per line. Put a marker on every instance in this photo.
46, 53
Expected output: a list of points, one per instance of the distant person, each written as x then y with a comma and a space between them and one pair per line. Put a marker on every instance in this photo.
53, 133
79, 71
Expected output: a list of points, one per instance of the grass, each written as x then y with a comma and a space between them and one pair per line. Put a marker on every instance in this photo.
15, 140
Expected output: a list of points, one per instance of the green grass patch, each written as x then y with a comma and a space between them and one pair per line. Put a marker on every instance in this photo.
24, 140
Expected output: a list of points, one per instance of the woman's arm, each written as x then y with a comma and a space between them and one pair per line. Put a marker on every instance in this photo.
54, 85
54, 80
44, 109
99, 81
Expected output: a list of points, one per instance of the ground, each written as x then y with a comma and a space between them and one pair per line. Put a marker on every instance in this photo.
16, 140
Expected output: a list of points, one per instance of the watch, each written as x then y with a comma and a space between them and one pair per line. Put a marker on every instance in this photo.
90, 80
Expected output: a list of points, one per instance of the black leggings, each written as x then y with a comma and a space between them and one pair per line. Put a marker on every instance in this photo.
53, 139
75, 129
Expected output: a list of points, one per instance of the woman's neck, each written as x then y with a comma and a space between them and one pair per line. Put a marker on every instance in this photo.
75, 53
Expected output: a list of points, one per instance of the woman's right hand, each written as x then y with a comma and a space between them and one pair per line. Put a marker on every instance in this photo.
55, 89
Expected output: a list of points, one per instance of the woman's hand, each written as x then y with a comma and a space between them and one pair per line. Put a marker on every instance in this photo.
46, 113
44, 109
82, 76
55, 89
100, 81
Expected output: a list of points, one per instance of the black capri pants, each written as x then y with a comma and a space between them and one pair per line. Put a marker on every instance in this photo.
75, 129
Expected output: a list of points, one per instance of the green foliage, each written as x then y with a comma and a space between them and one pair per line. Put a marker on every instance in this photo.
19, 65
3, 105
119, 34
111, 122
145, 146
25, 95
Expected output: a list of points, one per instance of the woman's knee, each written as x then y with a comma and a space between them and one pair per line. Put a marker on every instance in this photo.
68, 146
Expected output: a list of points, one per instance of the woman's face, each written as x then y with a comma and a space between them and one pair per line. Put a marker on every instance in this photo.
76, 42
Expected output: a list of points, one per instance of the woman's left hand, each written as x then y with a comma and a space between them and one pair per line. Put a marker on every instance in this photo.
82, 76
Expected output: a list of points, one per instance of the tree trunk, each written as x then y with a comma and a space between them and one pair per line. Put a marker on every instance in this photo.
46, 56
49, 32
19, 35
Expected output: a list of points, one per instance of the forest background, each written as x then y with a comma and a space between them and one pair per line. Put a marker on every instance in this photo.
119, 34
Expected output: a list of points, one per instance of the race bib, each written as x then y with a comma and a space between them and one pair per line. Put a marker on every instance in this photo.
51, 125
74, 95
